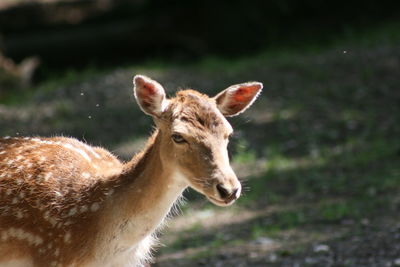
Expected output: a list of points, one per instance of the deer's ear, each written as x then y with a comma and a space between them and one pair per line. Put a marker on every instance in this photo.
150, 95
237, 98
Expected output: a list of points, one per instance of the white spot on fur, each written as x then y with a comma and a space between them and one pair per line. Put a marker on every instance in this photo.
91, 150
40, 177
67, 237
95, 207
84, 208
47, 176
110, 192
20, 168
52, 221
77, 150
46, 215
20, 234
4, 235
19, 214
38, 241
72, 211
57, 252
85, 175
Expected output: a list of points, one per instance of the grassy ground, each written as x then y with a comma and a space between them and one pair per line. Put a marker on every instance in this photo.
319, 152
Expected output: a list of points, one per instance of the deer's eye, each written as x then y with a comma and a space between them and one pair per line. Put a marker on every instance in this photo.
178, 138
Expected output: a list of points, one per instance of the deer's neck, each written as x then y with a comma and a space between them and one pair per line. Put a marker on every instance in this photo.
148, 189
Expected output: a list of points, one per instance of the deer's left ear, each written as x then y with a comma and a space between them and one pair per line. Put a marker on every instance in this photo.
237, 98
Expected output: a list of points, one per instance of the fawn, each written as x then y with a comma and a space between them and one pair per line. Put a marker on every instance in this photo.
65, 203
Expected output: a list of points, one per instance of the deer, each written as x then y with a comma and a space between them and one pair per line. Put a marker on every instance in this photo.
66, 203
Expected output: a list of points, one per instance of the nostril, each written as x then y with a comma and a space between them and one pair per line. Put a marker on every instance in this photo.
234, 193
223, 192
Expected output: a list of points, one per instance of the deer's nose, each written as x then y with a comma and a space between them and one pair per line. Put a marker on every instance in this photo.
227, 194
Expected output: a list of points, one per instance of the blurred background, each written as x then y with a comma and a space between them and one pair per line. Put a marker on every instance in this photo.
318, 152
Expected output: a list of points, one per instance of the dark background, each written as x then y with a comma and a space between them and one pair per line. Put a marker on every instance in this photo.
81, 32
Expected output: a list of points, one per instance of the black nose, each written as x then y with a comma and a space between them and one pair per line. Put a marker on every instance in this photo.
225, 193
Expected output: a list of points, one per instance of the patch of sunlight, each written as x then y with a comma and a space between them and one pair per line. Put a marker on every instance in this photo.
244, 170
280, 162
219, 217
207, 213
257, 249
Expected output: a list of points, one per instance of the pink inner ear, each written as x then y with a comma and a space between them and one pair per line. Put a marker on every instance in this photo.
145, 88
149, 89
245, 94
146, 93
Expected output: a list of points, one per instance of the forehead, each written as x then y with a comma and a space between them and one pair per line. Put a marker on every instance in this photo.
198, 112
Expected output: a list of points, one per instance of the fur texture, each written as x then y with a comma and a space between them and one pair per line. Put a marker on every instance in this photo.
65, 203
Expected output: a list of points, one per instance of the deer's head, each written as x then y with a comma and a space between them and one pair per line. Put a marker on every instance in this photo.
195, 133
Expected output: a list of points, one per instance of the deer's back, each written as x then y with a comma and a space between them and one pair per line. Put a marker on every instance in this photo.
45, 185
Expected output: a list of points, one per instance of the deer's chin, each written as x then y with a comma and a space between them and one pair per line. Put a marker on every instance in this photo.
212, 199
220, 202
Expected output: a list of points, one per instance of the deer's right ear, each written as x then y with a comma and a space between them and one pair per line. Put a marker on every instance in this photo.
150, 95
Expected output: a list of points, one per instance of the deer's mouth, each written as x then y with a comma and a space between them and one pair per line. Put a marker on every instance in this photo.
220, 202
211, 196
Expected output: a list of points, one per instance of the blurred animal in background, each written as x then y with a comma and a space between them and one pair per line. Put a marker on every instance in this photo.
16, 76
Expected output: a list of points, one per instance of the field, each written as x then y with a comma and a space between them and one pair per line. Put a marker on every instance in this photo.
318, 153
